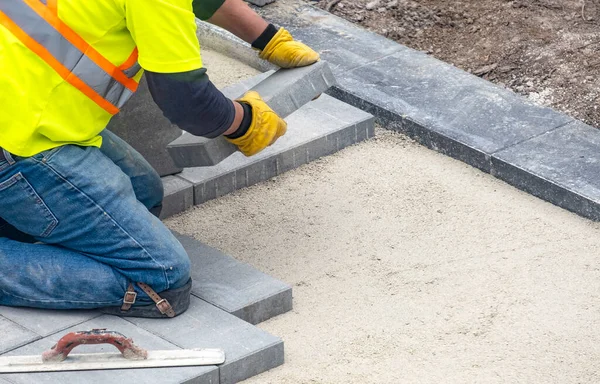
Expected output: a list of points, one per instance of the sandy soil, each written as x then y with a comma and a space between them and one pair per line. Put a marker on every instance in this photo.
223, 71
409, 266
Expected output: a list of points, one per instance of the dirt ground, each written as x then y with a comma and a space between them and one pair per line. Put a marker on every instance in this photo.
546, 50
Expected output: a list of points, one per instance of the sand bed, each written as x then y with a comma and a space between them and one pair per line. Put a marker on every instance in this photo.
409, 266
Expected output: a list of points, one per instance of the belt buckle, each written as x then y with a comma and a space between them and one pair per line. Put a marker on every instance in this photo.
129, 297
163, 306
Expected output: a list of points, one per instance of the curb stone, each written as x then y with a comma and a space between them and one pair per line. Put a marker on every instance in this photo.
561, 166
455, 113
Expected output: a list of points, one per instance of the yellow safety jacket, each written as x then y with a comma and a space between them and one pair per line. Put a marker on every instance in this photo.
68, 66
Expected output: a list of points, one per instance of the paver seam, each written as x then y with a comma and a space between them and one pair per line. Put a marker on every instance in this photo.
6, 379
532, 137
29, 341
151, 332
66, 327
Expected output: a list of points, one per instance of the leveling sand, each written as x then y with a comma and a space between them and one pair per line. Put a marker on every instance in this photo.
411, 267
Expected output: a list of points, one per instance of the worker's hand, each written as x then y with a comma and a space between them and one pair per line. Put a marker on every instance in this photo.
265, 129
285, 52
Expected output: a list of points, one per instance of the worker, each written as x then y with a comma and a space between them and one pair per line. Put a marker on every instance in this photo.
79, 206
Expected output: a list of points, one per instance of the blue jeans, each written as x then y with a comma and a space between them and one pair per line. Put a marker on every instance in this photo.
87, 209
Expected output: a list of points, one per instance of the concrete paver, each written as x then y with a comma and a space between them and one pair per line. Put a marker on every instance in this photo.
249, 350
45, 322
459, 114
13, 335
561, 166
179, 196
285, 91
142, 338
235, 287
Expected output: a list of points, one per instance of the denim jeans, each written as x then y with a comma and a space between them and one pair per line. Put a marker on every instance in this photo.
80, 229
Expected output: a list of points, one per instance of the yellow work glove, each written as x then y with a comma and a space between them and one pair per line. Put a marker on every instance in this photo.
265, 129
285, 52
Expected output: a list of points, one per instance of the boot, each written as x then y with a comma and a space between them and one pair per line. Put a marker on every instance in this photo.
169, 303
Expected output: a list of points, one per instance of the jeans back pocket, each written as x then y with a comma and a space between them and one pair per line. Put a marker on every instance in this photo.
24, 209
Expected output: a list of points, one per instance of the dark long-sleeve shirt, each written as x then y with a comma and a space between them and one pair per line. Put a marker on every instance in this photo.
191, 101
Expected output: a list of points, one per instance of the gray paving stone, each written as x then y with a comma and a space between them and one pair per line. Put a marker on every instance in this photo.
235, 90
445, 108
143, 338
235, 287
179, 196
45, 322
249, 350
14, 335
142, 124
284, 91
344, 45
561, 166
439, 105
307, 138
288, 89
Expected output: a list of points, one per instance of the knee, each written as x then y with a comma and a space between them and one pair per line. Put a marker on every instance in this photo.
149, 188
179, 266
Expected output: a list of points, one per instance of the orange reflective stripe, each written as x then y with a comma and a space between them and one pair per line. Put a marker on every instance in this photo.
81, 44
131, 60
53, 6
63, 71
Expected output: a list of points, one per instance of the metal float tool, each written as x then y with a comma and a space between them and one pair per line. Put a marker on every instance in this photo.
131, 356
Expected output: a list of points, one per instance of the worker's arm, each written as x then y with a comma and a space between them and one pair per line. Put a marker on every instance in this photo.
192, 102
165, 34
275, 45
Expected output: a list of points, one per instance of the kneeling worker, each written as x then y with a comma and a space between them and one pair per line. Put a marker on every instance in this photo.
78, 205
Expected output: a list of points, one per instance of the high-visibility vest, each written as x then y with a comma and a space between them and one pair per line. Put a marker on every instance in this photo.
36, 25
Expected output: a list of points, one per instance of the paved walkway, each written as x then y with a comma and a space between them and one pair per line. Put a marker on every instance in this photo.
409, 266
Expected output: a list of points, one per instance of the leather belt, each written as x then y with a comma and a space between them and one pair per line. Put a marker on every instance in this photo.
162, 304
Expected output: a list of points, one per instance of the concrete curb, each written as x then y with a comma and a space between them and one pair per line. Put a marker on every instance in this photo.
536, 149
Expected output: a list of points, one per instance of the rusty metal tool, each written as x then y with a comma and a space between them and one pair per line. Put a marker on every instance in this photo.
59, 357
